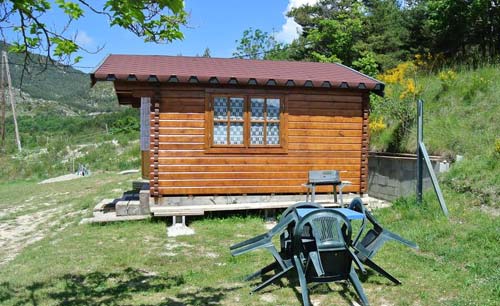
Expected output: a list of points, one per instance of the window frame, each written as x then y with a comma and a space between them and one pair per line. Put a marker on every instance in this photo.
247, 147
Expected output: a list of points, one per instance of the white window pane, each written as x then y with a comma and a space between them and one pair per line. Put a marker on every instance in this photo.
273, 109
220, 133
236, 108
220, 108
273, 134
257, 133
236, 133
257, 108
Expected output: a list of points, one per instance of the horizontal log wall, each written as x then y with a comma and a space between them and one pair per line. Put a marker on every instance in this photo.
325, 131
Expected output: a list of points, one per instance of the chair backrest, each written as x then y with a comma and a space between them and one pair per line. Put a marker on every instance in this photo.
330, 230
327, 232
357, 205
285, 240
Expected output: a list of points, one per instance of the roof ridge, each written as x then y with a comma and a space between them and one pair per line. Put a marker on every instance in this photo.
360, 73
225, 58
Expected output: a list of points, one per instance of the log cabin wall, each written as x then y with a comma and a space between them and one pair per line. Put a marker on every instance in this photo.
325, 129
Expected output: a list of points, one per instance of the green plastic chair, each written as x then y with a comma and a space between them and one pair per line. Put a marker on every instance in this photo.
265, 241
283, 257
326, 257
286, 236
374, 239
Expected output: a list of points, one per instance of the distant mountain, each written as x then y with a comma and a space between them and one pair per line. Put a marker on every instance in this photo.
63, 87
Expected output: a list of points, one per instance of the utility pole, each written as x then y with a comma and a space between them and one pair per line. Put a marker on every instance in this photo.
2, 94
5, 59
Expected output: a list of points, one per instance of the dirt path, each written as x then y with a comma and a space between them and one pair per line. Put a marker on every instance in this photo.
27, 220
22, 231
30, 212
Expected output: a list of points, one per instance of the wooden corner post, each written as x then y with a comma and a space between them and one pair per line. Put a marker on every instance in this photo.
145, 132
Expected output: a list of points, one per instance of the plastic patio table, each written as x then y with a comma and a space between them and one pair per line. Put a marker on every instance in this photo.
350, 214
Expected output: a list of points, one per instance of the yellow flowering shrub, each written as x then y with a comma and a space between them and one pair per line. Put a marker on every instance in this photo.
377, 125
410, 89
399, 104
398, 74
428, 61
447, 76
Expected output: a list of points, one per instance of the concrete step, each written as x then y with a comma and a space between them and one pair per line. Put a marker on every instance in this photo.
112, 217
104, 205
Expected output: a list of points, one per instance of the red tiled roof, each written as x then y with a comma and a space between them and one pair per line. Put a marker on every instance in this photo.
233, 71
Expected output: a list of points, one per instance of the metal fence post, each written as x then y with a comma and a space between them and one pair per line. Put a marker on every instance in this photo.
420, 136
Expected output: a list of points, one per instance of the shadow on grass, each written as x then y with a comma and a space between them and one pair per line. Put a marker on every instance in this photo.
369, 277
97, 288
110, 288
203, 296
347, 292
114, 288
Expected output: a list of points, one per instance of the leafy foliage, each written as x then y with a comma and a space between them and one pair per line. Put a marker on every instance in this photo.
376, 35
331, 30
256, 44
153, 20
126, 124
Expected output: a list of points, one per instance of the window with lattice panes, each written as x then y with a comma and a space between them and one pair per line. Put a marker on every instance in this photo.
246, 121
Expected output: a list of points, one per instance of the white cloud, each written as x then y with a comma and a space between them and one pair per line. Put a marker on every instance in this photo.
291, 30
83, 39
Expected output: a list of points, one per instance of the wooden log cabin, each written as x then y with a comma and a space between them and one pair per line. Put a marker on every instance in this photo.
213, 126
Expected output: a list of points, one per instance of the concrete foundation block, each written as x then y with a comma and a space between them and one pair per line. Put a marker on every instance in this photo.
121, 208
144, 201
134, 208
179, 229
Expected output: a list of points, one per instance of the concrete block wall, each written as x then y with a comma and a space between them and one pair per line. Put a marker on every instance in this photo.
394, 176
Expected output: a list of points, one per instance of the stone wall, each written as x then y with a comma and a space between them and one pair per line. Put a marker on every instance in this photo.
394, 176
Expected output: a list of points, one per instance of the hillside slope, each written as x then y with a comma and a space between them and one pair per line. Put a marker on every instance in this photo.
56, 88
461, 117
63, 122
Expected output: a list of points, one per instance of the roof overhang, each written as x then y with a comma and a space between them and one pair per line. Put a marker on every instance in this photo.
213, 72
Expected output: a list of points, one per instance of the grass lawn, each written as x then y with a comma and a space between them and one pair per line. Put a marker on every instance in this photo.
134, 263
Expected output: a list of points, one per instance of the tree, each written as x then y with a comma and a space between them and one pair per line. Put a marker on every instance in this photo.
386, 32
255, 44
156, 21
331, 30
206, 53
463, 30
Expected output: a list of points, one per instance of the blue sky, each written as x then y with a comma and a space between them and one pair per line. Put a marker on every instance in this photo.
215, 24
